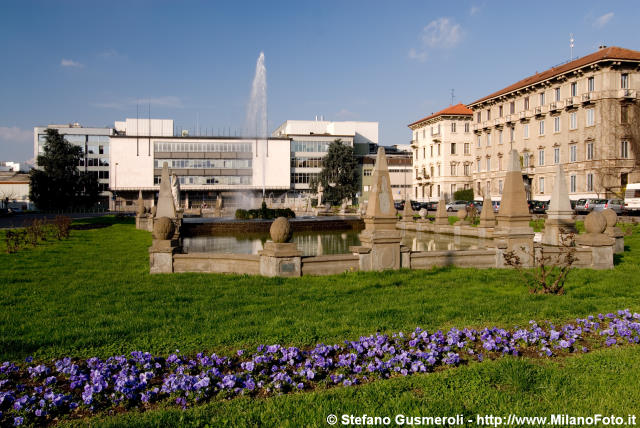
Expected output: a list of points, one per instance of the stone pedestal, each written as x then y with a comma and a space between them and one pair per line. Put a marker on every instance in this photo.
559, 224
613, 231
280, 259
601, 245
161, 255
384, 248
442, 217
487, 217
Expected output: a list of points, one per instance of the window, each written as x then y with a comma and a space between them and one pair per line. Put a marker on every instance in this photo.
624, 149
556, 155
574, 89
591, 84
572, 184
416, 154
488, 140
624, 81
424, 153
624, 114
590, 116
500, 186
541, 184
512, 133
499, 164
438, 190
512, 107
589, 182
439, 171
525, 130
477, 165
500, 111
466, 127
488, 188
590, 150
488, 164
453, 169
526, 103
525, 160
423, 133
466, 148
556, 124
479, 117
478, 138
573, 153
488, 114
431, 150
438, 149
368, 172
541, 98
573, 120
499, 137
541, 126
557, 91
541, 157
453, 148
453, 127
467, 170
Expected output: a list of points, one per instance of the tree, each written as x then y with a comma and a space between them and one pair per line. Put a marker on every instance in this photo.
463, 195
339, 176
57, 183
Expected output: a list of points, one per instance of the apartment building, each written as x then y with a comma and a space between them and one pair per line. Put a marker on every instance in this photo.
583, 114
442, 151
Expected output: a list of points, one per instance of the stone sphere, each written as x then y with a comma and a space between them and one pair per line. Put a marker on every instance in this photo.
462, 214
423, 213
595, 222
281, 230
611, 217
163, 228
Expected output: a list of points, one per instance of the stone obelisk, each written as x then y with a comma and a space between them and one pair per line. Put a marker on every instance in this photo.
559, 223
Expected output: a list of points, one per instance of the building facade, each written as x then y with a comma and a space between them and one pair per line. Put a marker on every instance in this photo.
95, 144
400, 167
583, 114
237, 170
442, 153
310, 141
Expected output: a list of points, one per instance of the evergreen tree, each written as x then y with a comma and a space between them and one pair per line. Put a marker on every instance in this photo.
339, 176
57, 184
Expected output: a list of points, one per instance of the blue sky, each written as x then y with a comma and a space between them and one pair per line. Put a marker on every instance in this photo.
387, 61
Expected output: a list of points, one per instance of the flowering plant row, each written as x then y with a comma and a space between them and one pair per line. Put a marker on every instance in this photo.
39, 393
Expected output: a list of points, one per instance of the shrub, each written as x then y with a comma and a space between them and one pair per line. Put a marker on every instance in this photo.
61, 226
36, 231
463, 195
14, 239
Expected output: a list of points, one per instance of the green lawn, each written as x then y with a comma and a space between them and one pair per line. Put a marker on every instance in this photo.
92, 295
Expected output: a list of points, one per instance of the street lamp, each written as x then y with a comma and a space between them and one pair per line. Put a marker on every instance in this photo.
115, 186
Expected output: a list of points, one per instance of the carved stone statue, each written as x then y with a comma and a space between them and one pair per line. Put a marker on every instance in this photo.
175, 190
320, 193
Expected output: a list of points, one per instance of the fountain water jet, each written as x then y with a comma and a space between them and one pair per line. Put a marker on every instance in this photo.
256, 119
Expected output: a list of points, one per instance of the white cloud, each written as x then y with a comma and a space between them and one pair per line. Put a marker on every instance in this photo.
417, 55
165, 101
345, 114
442, 33
70, 63
15, 134
603, 20
473, 10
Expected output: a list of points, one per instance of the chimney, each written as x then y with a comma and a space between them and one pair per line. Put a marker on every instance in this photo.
602, 47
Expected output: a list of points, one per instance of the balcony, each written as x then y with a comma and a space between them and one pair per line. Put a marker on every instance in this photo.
570, 102
539, 111
587, 98
627, 93
509, 118
499, 122
524, 115
414, 144
555, 106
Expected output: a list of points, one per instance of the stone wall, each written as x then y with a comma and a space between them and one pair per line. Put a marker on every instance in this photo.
329, 265
217, 263
481, 259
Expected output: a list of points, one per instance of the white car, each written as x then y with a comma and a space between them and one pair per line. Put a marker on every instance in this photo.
456, 205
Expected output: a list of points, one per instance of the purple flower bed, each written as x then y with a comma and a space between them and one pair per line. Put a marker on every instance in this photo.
38, 393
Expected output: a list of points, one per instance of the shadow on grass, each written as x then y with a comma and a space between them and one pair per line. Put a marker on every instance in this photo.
106, 220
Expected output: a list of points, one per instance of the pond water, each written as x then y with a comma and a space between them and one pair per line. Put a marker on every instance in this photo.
325, 242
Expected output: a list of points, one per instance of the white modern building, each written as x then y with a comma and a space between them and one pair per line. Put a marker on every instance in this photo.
310, 141
238, 170
95, 148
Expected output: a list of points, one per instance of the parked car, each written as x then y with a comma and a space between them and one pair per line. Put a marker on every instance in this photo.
585, 206
399, 205
615, 204
456, 205
416, 205
431, 205
538, 207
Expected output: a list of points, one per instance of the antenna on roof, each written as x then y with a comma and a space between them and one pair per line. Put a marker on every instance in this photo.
571, 40
452, 96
